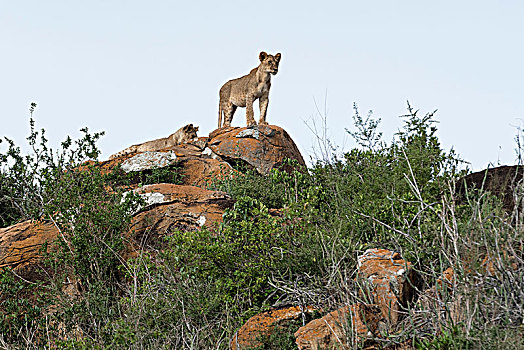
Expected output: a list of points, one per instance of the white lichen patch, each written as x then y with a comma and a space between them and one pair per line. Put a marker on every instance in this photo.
150, 198
148, 160
208, 152
153, 198
201, 220
254, 133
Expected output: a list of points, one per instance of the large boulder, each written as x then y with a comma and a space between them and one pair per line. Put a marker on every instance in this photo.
391, 281
263, 147
175, 207
224, 152
20, 245
501, 181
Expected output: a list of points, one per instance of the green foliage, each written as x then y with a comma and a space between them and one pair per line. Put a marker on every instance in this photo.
81, 270
281, 337
381, 194
449, 339
22, 309
91, 222
277, 190
28, 183
366, 134
239, 258
493, 338
163, 308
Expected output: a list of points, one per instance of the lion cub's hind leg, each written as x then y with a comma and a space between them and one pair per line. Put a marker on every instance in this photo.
229, 109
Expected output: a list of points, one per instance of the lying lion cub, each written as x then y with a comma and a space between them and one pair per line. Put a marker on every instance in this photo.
242, 92
183, 135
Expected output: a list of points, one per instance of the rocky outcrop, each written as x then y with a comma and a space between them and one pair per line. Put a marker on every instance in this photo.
390, 281
340, 329
262, 325
168, 207
263, 147
195, 166
224, 152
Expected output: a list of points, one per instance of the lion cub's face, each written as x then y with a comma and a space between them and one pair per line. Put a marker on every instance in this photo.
190, 132
269, 63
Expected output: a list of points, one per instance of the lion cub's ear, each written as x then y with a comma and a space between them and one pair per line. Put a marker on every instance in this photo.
277, 57
196, 129
188, 127
262, 56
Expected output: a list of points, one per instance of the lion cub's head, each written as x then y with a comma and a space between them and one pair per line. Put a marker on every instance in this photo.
190, 131
269, 63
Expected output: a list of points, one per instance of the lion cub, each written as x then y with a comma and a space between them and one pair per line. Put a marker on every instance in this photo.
183, 135
242, 92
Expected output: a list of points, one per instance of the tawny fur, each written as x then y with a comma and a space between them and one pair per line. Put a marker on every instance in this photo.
242, 92
183, 135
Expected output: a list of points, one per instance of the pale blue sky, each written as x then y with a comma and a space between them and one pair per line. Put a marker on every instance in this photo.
139, 70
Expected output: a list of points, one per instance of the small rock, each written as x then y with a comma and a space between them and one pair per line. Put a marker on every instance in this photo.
248, 335
340, 328
392, 281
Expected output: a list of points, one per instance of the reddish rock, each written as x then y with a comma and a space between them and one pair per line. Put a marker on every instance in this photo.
392, 281
182, 193
260, 325
341, 329
185, 208
20, 245
263, 147
199, 171
447, 279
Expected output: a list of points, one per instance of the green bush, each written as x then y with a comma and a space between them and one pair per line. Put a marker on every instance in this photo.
28, 183
22, 310
239, 258
88, 252
57, 186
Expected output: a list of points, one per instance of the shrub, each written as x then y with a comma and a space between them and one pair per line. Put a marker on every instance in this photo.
81, 270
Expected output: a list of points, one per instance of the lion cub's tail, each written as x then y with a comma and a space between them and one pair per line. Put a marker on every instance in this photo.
220, 114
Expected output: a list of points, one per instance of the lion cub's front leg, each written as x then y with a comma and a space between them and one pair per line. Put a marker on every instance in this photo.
250, 114
263, 102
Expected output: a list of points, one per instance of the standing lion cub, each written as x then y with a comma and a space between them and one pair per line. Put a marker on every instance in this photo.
242, 92
183, 135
